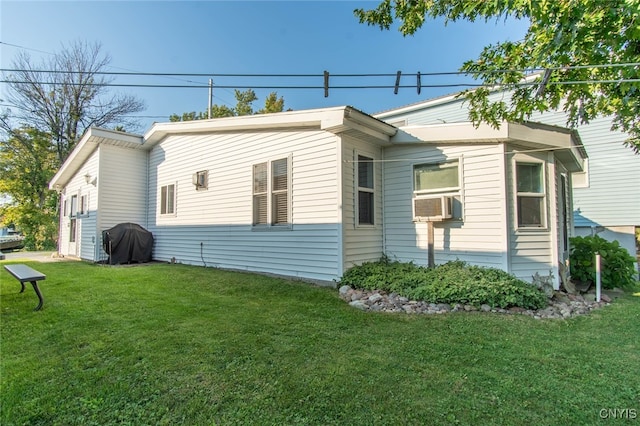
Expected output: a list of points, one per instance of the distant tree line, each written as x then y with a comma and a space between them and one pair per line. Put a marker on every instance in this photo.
244, 106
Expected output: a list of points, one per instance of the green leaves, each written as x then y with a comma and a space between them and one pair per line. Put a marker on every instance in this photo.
592, 49
452, 282
617, 267
27, 163
244, 106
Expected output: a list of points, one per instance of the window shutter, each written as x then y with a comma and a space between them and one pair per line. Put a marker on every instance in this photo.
279, 172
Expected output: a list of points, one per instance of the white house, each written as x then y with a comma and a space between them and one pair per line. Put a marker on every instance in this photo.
311, 193
606, 193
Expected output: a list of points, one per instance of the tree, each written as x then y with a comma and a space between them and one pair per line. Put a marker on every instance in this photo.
588, 53
27, 162
272, 104
67, 94
244, 106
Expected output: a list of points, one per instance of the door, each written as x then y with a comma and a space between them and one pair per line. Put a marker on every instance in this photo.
73, 226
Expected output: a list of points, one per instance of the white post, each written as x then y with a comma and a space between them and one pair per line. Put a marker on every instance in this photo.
598, 281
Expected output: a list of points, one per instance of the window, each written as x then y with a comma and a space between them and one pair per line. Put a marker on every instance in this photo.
438, 177
83, 207
271, 192
365, 191
200, 180
168, 199
74, 206
72, 222
439, 181
530, 195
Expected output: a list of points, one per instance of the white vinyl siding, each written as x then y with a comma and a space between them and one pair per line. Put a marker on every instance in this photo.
122, 186
362, 242
533, 249
481, 238
215, 227
608, 198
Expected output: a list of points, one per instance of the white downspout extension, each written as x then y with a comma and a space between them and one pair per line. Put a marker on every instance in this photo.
553, 222
382, 200
340, 208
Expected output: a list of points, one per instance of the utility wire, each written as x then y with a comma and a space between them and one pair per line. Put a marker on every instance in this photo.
386, 86
428, 74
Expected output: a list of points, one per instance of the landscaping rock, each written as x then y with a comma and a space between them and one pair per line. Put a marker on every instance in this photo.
375, 297
561, 305
359, 304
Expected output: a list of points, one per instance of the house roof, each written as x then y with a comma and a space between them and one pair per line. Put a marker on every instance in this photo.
337, 120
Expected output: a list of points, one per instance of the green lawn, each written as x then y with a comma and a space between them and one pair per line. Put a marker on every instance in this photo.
175, 344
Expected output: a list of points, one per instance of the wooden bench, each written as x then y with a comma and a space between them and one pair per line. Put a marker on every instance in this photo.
24, 274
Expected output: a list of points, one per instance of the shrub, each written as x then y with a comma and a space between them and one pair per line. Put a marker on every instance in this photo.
452, 282
617, 269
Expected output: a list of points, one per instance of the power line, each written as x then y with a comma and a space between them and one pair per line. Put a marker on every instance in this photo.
280, 87
259, 75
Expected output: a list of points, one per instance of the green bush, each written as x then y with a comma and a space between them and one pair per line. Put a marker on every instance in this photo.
617, 269
452, 282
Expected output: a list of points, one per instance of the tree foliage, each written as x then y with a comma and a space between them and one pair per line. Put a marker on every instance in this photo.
244, 106
66, 95
27, 162
589, 51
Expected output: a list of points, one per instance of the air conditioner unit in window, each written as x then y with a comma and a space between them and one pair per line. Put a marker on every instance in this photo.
199, 179
432, 209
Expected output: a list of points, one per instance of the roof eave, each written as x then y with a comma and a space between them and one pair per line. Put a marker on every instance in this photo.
89, 142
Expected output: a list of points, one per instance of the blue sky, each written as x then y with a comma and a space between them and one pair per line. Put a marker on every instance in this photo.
249, 37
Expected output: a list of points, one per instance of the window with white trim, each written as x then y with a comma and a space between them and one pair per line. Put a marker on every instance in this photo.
73, 218
530, 195
366, 193
271, 195
436, 177
83, 207
440, 179
168, 199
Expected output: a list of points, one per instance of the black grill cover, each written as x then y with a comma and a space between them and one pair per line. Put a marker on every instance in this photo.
127, 243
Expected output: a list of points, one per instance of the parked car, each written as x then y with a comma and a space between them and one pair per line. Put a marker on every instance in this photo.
10, 240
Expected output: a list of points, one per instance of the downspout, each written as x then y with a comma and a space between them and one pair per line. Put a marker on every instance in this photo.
340, 209
384, 190
60, 215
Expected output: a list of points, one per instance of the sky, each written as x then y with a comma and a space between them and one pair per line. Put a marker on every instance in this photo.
249, 37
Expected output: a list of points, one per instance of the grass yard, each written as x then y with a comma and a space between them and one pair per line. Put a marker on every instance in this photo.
175, 344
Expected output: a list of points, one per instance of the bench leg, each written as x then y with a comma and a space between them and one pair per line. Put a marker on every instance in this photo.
22, 284
37, 290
